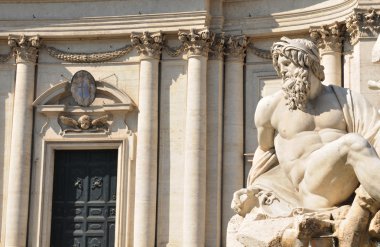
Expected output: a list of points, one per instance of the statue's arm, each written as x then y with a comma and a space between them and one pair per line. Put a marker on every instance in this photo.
244, 199
265, 130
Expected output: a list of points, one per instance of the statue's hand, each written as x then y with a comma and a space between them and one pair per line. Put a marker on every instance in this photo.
243, 201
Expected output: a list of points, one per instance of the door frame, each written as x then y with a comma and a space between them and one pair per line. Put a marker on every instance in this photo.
42, 189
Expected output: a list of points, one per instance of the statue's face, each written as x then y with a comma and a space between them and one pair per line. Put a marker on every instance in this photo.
84, 122
295, 85
287, 68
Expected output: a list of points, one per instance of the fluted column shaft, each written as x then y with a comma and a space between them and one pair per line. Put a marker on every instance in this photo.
195, 143
21, 143
147, 144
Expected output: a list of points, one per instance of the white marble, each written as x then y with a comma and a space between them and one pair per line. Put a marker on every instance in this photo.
304, 149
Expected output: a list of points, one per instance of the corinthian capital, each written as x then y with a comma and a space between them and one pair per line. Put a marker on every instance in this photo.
217, 47
148, 44
363, 23
235, 47
328, 37
196, 42
24, 48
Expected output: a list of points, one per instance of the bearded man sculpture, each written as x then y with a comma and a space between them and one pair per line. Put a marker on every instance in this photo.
317, 145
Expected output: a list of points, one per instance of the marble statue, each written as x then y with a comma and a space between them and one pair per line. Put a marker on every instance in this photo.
317, 145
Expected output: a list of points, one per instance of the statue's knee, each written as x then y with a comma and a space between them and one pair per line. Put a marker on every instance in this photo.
356, 142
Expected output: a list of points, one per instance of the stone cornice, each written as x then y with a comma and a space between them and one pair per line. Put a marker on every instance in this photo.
363, 23
290, 22
328, 37
104, 27
148, 45
196, 42
235, 47
25, 49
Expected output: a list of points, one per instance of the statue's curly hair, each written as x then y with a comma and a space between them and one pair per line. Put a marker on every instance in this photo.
301, 52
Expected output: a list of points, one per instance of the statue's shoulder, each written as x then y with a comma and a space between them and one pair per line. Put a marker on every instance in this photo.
267, 105
271, 101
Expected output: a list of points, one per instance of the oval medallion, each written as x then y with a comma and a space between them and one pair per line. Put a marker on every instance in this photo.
83, 88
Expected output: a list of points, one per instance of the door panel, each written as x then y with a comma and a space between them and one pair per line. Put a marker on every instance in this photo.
84, 198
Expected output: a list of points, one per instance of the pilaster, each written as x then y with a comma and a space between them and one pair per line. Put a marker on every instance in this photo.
215, 69
233, 140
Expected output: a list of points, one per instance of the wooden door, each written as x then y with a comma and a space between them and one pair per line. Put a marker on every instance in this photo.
84, 198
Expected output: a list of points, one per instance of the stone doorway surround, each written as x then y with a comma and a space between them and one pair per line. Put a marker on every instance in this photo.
50, 135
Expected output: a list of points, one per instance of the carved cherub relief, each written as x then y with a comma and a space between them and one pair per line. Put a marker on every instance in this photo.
84, 123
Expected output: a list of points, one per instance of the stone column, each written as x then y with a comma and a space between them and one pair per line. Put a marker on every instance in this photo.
214, 142
149, 48
25, 50
329, 39
233, 130
197, 45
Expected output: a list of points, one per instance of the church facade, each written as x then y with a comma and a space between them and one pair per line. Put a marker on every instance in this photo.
130, 123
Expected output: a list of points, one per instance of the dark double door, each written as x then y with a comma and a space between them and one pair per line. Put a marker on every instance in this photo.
84, 198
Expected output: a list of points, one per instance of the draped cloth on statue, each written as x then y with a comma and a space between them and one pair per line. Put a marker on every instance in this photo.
268, 180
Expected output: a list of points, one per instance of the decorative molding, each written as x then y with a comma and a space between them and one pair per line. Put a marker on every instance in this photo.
24, 48
96, 57
266, 54
235, 47
196, 42
328, 37
363, 23
217, 47
148, 44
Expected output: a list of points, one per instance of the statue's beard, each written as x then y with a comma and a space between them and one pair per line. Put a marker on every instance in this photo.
296, 87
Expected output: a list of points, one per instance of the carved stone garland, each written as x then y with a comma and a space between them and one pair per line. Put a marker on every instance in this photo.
96, 57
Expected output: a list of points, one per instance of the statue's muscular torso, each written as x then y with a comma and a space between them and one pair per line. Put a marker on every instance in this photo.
297, 134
